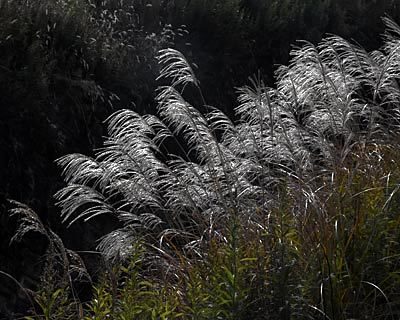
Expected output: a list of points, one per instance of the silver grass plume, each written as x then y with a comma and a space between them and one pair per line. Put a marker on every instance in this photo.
176, 68
57, 255
28, 221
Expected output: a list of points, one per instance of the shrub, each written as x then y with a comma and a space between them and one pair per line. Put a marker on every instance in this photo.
65, 66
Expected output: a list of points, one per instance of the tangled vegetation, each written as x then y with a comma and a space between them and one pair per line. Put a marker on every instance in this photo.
290, 212
65, 66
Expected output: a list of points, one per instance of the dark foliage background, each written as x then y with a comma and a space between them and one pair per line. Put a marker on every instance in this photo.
66, 65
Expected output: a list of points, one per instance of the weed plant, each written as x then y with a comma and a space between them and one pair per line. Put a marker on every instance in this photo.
289, 213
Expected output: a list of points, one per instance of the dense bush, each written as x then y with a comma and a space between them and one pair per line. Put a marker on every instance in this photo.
65, 66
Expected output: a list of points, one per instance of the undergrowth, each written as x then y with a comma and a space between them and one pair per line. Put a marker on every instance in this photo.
289, 213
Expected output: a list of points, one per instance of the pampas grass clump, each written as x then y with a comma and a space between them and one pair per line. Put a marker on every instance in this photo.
290, 212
